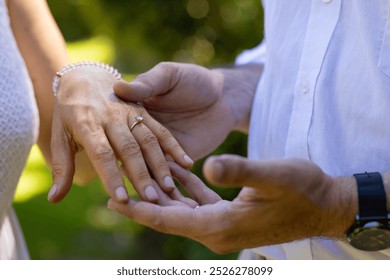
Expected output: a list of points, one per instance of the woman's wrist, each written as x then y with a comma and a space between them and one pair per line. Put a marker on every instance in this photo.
81, 65
84, 82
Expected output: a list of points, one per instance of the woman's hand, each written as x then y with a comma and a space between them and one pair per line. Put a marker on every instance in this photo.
89, 117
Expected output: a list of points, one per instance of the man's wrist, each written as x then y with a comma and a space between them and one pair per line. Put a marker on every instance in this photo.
344, 206
345, 194
239, 88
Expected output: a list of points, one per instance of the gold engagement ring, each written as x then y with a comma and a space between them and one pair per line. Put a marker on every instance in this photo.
138, 120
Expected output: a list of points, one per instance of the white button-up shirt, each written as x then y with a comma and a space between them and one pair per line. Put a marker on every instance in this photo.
324, 96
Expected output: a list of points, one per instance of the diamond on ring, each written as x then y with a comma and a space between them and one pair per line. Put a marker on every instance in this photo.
138, 120
196, 207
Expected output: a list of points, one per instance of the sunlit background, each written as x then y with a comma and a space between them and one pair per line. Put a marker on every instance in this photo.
133, 36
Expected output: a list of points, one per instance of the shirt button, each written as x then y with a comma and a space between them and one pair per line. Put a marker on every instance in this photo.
305, 86
326, 1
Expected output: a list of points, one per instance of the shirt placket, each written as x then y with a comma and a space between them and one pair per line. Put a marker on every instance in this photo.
323, 18
322, 22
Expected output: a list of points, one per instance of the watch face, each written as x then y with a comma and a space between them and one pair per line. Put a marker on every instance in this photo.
370, 239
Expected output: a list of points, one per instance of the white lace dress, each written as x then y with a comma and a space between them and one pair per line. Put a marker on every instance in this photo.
18, 132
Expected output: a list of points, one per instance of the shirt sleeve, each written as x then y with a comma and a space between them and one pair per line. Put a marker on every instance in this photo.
255, 55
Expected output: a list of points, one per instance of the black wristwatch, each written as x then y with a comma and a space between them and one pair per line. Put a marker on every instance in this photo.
371, 229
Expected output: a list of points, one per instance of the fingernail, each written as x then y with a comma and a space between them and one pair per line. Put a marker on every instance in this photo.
151, 194
52, 191
187, 159
168, 183
121, 194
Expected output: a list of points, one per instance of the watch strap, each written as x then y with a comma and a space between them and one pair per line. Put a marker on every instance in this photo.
372, 197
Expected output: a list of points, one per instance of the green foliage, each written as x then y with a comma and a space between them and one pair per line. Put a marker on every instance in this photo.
206, 32
133, 35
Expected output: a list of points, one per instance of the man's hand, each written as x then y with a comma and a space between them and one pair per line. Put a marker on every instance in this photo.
283, 200
199, 106
89, 117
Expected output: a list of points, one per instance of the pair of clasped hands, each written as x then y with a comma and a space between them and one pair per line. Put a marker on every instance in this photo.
187, 112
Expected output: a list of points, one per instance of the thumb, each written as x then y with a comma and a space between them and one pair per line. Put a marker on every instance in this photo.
133, 91
229, 170
233, 170
157, 81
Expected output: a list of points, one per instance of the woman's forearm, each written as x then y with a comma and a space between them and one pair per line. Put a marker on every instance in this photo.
44, 52
43, 49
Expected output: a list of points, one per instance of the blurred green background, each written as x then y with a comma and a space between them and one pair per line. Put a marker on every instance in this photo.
133, 36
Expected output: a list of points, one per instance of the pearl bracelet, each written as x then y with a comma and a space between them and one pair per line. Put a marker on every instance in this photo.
82, 64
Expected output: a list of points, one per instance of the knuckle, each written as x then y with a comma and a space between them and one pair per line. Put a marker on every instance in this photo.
103, 153
139, 175
57, 169
168, 141
166, 65
161, 166
129, 149
87, 127
149, 139
142, 77
172, 72
163, 133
